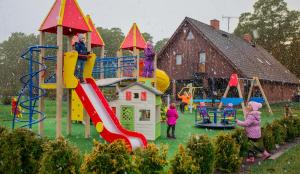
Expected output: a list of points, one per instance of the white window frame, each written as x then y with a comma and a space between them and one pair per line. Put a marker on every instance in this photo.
202, 57
178, 58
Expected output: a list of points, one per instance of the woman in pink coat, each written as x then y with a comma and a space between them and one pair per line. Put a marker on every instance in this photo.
253, 130
172, 116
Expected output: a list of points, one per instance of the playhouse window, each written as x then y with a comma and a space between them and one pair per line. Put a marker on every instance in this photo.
144, 115
178, 59
136, 95
202, 57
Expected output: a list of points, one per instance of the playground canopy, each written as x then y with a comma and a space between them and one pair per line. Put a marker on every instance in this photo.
134, 38
97, 40
65, 13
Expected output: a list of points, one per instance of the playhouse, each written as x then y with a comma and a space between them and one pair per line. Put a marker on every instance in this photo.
138, 109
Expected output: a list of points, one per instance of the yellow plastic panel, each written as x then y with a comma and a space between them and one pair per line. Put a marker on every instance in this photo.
89, 66
77, 107
48, 85
70, 60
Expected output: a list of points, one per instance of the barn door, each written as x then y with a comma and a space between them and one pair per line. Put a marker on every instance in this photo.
127, 117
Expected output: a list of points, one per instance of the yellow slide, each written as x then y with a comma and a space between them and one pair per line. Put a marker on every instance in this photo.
162, 80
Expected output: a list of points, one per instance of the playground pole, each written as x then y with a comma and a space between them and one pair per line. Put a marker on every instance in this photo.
69, 95
41, 80
101, 65
59, 81
85, 115
137, 54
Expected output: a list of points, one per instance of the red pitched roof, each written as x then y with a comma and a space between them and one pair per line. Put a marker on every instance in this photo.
133, 39
68, 14
97, 40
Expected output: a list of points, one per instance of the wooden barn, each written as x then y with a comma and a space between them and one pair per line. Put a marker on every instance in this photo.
206, 56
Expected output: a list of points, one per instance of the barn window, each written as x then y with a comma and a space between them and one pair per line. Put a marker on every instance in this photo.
190, 36
178, 59
202, 57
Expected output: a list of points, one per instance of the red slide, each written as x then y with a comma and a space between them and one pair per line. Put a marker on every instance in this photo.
99, 110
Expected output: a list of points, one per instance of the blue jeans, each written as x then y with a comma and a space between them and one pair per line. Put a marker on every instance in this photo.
79, 68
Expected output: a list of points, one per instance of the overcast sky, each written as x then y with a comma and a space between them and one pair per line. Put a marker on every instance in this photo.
160, 18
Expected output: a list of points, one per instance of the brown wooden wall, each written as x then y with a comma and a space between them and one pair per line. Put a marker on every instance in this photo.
216, 66
279, 92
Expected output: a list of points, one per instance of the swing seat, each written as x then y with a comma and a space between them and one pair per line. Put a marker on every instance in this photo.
234, 101
257, 99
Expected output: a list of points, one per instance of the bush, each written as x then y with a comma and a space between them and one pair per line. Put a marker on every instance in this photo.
279, 132
297, 125
202, 151
227, 154
151, 159
183, 163
291, 130
3, 147
163, 112
107, 158
60, 157
268, 138
6, 95
21, 152
240, 137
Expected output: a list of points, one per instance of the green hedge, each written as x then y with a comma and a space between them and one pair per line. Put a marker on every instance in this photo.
202, 151
151, 159
240, 137
21, 151
183, 163
107, 158
227, 154
60, 157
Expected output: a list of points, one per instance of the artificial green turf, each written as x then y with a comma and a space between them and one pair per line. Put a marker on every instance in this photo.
184, 128
289, 163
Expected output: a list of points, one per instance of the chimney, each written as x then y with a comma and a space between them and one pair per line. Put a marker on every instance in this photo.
247, 37
215, 24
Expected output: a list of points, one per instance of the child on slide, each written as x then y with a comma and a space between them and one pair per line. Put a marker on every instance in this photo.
253, 130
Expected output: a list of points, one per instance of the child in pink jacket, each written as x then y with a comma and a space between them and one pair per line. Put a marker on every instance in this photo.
253, 129
172, 117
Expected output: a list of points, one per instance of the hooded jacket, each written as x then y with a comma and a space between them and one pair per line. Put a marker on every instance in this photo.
172, 115
252, 122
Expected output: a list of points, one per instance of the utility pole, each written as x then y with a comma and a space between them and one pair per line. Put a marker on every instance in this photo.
228, 20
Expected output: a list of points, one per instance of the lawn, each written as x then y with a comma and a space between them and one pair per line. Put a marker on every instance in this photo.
184, 128
287, 163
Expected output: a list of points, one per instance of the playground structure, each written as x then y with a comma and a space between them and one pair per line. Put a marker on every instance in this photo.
138, 108
60, 21
228, 115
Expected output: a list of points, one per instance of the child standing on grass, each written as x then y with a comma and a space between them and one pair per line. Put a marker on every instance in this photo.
172, 117
185, 99
253, 130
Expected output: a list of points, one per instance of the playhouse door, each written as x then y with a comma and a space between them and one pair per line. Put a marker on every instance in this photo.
127, 117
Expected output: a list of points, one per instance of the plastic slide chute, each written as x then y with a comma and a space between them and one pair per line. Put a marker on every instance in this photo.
101, 113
